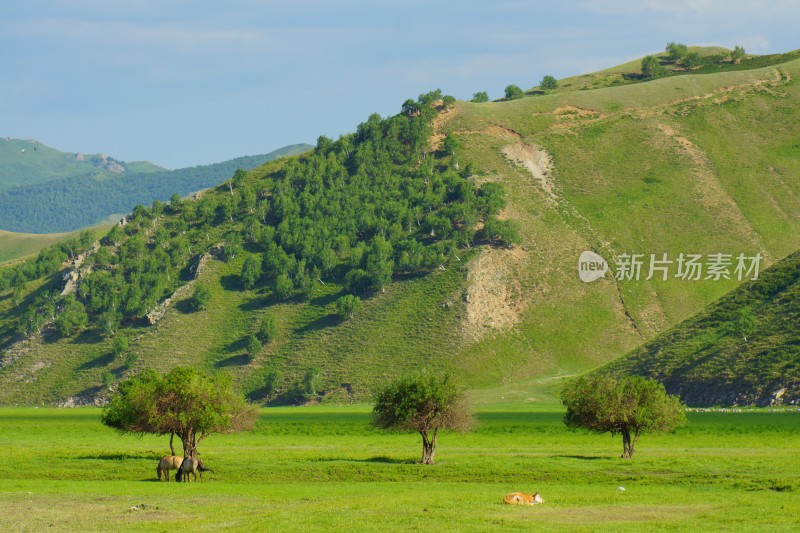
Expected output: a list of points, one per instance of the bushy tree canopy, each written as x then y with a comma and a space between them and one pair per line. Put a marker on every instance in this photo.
480, 97
548, 83
676, 51
425, 404
183, 402
513, 92
628, 406
651, 67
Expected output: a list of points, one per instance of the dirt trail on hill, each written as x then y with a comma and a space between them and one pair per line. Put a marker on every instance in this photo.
710, 192
440, 120
495, 131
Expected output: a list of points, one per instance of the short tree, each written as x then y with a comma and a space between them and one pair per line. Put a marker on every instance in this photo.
72, 318
676, 51
450, 144
651, 67
513, 92
627, 406
251, 271
120, 346
425, 404
448, 101
744, 324
308, 389
548, 83
691, 60
347, 306
480, 97
268, 329
253, 346
737, 53
201, 297
501, 232
184, 402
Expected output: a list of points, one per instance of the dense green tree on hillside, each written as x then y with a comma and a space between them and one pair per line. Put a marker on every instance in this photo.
548, 83
628, 406
251, 271
450, 144
425, 404
253, 346
676, 51
651, 67
347, 306
737, 54
183, 402
691, 60
201, 297
513, 92
268, 329
72, 318
480, 97
501, 232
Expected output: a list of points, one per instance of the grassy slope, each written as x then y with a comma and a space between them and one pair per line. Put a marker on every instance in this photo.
18, 168
675, 165
624, 185
323, 468
708, 363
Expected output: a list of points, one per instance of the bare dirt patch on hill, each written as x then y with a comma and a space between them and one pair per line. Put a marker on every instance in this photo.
495, 299
536, 161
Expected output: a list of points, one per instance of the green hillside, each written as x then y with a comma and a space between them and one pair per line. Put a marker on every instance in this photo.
27, 162
17, 246
74, 201
689, 164
743, 349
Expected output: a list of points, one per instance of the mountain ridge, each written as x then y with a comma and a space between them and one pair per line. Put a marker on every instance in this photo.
72, 202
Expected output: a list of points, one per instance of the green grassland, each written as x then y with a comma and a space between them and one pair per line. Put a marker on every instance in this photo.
324, 468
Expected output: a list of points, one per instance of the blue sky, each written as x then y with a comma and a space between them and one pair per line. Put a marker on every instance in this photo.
182, 83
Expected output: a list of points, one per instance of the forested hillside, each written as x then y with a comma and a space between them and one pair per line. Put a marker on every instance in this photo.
387, 250
743, 349
370, 206
72, 202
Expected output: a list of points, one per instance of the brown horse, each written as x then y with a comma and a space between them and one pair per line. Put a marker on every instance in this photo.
168, 462
191, 465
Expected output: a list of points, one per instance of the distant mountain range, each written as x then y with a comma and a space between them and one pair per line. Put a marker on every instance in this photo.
43, 190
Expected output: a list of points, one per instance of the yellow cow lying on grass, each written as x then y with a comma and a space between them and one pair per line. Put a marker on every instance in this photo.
520, 498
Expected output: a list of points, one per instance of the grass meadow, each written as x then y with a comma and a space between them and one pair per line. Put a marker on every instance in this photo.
324, 468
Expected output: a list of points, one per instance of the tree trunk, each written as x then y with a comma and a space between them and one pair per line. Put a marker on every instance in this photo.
428, 447
171, 447
627, 443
